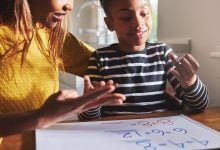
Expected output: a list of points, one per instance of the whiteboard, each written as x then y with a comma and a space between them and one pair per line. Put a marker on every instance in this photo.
174, 132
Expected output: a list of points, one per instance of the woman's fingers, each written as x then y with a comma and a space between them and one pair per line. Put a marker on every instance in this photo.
66, 103
109, 99
64, 94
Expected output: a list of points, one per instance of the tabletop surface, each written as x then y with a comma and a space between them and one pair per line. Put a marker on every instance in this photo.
210, 117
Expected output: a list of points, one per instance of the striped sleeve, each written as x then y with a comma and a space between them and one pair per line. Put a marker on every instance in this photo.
90, 114
93, 72
196, 97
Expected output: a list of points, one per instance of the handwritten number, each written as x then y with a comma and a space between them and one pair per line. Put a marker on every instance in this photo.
145, 123
180, 130
180, 145
205, 142
165, 121
158, 131
146, 144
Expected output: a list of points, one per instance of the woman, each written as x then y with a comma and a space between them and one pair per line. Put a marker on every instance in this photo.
32, 33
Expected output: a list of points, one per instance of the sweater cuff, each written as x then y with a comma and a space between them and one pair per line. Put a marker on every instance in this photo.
193, 87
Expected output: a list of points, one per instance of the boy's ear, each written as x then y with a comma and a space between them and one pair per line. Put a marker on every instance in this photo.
109, 24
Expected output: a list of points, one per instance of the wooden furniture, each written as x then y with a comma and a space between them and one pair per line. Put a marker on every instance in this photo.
211, 118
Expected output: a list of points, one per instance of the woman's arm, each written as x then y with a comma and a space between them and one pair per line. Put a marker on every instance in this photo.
76, 55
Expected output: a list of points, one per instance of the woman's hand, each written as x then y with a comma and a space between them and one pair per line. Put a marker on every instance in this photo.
184, 69
66, 103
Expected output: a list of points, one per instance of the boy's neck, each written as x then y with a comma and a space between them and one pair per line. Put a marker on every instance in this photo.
130, 48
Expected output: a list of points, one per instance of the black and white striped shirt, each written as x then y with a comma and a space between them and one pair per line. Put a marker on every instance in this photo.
142, 77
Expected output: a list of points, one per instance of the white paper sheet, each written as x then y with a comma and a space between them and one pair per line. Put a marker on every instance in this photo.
163, 133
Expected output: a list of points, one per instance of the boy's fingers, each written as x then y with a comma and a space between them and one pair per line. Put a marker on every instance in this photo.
110, 82
87, 82
98, 84
175, 73
192, 61
174, 58
189, 68
94, 95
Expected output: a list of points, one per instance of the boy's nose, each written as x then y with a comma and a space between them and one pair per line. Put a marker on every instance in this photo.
137, 21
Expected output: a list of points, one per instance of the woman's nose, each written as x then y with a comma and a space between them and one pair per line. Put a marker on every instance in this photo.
68, 6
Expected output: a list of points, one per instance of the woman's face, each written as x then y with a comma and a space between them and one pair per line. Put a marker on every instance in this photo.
50, 12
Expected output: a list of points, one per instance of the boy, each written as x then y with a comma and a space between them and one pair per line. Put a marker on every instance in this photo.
140, 68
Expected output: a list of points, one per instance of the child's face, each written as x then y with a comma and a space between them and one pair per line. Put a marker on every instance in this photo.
131, 20
50, 12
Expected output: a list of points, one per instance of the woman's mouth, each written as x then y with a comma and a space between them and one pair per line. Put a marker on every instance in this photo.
58, 17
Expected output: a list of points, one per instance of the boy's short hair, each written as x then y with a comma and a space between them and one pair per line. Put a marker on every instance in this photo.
105, 5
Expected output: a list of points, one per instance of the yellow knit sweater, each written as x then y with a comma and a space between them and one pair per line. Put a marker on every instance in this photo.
27, 88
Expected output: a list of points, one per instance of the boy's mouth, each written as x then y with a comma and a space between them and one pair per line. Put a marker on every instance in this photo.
139, 33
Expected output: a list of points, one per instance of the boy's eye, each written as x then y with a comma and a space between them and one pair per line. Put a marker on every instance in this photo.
145, 11
144, 14
126, 18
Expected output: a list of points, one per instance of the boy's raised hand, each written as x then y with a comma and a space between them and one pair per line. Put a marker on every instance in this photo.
92, 85
184, 69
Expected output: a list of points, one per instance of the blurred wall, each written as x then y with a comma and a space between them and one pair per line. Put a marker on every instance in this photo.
197, 20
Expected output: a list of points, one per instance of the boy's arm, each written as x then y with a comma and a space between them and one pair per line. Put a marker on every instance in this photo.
90, 114
196, 96
94, 76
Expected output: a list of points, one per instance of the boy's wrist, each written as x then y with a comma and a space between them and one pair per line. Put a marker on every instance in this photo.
189, 84
192, 87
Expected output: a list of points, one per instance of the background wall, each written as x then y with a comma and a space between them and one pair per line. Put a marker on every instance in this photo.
197, 20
